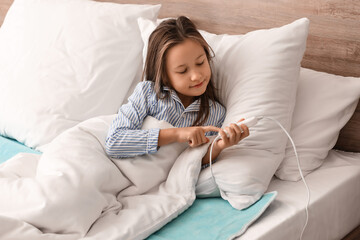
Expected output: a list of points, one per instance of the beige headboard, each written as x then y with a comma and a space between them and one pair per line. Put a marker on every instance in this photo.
333, 44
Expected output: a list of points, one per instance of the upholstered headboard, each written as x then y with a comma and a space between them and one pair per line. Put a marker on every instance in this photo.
333, 44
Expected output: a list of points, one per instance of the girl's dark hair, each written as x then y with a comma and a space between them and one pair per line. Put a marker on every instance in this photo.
168, 34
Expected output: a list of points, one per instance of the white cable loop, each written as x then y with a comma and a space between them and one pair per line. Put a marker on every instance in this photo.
298, 164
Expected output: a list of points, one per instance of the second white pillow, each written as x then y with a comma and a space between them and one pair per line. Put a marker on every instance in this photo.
324, 104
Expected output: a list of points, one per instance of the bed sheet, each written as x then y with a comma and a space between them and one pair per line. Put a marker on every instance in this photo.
334, 208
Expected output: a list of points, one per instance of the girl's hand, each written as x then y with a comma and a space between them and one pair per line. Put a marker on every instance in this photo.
236, 134
195, 136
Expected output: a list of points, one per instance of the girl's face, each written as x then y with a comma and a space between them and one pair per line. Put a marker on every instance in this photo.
188, 70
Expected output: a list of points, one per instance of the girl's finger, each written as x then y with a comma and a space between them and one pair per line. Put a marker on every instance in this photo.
238, 132
211, 128
232, 132
223, 136
190, 141
198, 139
245, 131
242, 119
204, 139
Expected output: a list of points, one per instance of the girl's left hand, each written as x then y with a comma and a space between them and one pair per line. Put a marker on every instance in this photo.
236, 134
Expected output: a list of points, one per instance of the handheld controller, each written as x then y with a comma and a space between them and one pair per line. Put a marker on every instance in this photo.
249, 122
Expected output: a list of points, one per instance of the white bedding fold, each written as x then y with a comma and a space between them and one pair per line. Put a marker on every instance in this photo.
75, 191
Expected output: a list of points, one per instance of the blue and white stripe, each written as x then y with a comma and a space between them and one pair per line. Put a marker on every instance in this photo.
125, 137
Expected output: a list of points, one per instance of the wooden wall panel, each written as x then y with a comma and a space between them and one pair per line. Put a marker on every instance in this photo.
333, 44
334, 35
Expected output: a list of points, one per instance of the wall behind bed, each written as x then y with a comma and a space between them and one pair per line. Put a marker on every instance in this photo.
333, 44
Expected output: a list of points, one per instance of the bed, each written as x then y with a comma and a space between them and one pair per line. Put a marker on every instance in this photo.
332, 50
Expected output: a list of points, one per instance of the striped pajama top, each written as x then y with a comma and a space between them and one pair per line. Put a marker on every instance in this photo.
125, 137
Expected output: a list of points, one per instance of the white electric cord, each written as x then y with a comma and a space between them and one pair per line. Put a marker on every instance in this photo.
298, 164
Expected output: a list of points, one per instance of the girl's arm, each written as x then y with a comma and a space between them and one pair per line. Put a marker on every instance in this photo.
235, 135
195, 136
125, 138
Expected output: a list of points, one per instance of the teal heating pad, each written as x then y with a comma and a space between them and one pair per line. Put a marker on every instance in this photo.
213, 218
208, 219
10, 147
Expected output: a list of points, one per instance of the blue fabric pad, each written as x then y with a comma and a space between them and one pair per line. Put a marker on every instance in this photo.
213, 218
10, 147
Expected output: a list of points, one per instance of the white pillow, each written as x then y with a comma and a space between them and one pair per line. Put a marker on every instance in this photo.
64, 61
256, 74
324, 104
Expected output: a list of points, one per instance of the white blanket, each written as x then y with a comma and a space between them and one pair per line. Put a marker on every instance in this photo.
74, 191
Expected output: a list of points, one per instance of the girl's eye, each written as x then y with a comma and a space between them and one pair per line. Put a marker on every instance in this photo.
182, 72
199, 64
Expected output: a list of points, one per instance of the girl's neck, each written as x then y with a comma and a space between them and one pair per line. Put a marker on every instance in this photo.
186, 100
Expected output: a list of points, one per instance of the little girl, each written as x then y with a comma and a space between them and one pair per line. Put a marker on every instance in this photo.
179, 90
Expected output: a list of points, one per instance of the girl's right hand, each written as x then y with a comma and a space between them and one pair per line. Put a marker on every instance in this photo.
195, 136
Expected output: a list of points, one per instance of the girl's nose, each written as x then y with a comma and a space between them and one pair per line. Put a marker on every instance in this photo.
196, 75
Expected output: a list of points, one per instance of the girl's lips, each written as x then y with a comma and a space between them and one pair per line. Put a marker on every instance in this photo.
198, 85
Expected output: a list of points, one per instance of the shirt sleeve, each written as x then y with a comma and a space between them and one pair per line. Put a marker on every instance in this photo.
217, 119
125, 137
221, 117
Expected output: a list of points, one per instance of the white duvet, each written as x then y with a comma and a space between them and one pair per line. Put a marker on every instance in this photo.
74, 191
